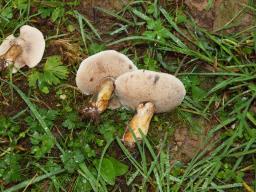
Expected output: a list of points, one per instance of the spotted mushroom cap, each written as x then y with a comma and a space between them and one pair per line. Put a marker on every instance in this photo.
165, 91
33, 45
93, 70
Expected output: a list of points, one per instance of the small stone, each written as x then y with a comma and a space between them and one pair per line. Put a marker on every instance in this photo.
63, 97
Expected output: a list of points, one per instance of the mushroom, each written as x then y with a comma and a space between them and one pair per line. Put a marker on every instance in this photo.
25, 50
147, 92
96, 76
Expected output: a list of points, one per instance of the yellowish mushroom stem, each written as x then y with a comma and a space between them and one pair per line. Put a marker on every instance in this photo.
141, 120
102, 101
10, 56
104, 95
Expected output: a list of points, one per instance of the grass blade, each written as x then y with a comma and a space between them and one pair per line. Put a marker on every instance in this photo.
34, 180
94, 30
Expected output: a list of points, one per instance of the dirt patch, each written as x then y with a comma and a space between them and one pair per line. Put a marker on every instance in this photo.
106, 4
103, 21
188, 143
226, 10
10, 101
221, 13
198, 10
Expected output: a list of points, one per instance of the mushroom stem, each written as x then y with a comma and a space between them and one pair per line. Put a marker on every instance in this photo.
104, 96
141, 120
10, 56
102, 101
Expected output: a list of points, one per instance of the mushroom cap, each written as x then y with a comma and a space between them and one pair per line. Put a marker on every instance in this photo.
106, 64
165, 91
33, 45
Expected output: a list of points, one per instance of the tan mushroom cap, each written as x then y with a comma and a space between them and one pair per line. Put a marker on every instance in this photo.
93, 70
32, 43
165, 91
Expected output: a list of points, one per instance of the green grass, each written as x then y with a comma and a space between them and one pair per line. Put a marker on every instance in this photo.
46, 146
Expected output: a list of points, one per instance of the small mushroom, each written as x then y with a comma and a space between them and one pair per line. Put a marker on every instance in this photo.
147, 92
25, 50
96, 76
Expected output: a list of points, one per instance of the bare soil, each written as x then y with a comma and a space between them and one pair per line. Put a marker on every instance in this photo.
222, 12
188, 143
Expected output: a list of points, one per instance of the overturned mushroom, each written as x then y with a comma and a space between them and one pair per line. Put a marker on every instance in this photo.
26, 49
147, 92
96, 76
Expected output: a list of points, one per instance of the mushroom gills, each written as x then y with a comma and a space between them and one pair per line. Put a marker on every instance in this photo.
10, 56
141, 120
